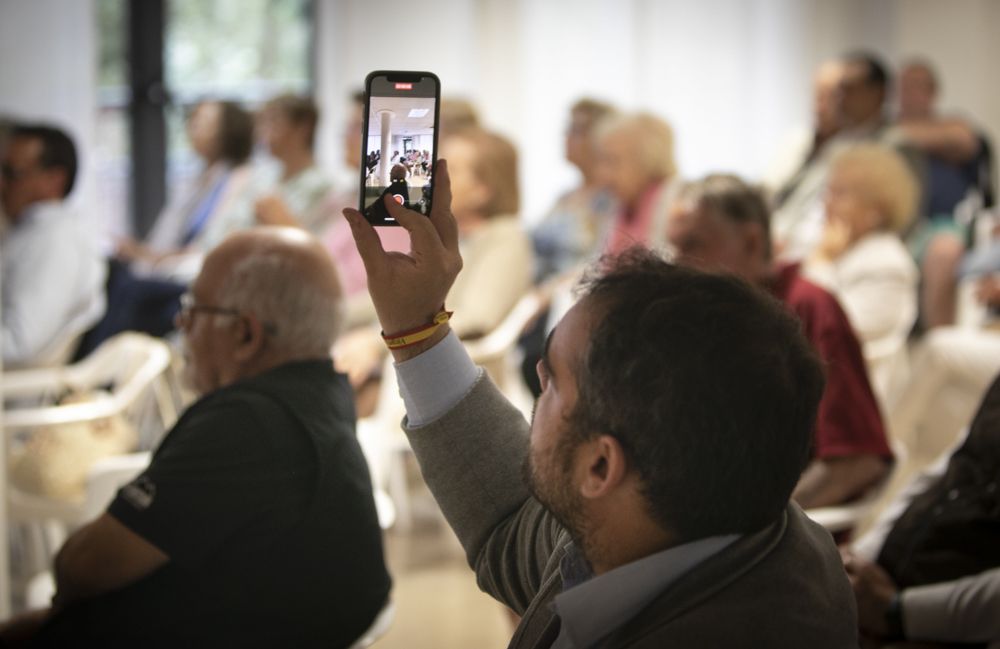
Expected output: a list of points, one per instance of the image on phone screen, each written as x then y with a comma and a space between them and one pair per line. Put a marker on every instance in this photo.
399, 143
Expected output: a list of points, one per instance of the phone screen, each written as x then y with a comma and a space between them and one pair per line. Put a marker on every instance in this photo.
400, 142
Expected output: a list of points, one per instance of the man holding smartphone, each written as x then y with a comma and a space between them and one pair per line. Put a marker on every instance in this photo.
674, 422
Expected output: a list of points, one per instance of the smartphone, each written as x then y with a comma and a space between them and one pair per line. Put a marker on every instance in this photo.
399, 146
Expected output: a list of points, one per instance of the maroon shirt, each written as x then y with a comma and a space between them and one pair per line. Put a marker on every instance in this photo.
849, 421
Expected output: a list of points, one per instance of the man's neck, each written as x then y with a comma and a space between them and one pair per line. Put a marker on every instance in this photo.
622, 534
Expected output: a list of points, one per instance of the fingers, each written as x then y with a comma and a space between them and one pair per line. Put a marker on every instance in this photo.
441, 216
423, 238
366, 239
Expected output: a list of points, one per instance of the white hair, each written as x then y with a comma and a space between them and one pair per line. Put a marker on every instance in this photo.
652, 138
302, 319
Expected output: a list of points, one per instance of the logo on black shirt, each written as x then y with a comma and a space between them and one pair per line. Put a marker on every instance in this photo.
140, 492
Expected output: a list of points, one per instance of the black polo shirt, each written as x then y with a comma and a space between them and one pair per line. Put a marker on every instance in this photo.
262, 500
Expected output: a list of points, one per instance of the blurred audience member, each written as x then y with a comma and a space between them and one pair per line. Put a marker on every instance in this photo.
52, 274
860, 107
720, 224
287, 126
796, 157
871, 198
486, 200
571, 231
254, 525
950, 370
952, 150
929, 570
635, 161
497, 252
456, 114
221, 134
6, 125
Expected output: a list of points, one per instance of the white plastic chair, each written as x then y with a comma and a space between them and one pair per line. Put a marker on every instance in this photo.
130, 363
131, 368
104, 479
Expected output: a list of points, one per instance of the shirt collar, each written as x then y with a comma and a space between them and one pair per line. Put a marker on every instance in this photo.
35, 214
591, 607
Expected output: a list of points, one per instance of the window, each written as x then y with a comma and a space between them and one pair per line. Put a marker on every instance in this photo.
241, 50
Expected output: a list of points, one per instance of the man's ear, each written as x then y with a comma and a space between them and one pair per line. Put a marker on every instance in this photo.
754, 240
601, 466
250, 337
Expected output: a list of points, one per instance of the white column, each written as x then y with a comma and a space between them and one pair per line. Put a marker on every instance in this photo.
386, 122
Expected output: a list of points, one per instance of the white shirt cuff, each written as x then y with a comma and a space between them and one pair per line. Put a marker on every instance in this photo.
434, 382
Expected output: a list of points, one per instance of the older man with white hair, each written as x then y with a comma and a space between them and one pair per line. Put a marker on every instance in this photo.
254, 525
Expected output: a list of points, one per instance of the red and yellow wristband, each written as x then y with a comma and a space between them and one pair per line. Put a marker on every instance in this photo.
410, 337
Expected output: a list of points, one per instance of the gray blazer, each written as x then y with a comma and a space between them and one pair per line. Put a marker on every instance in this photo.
783, 586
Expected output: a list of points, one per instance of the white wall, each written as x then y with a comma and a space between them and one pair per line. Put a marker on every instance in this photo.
732, 76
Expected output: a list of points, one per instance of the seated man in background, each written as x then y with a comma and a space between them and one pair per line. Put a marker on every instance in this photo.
929, 570
254, 526
951, 147
52, 274
674, 422
863, 85
721, 224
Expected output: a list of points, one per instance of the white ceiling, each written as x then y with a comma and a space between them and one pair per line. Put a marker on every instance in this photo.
402, 124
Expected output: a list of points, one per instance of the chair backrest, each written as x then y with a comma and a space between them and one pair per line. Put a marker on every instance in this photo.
125, 365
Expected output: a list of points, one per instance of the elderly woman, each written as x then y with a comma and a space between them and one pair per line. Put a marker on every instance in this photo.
221, 134
635, 160
871, 197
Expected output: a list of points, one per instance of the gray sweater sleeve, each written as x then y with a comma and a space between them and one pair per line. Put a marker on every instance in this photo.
472, 461
964, 610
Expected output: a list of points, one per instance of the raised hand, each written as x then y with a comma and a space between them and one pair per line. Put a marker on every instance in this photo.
409, 289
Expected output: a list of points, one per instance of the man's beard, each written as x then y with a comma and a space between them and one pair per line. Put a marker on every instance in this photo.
549, 480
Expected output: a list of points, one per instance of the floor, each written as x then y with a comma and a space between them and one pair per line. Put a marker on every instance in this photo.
438, 605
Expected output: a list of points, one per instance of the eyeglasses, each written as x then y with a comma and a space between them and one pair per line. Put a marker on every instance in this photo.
189, 309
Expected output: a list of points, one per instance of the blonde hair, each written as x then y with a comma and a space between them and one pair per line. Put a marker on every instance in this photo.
653, 139
886, 180
496, 166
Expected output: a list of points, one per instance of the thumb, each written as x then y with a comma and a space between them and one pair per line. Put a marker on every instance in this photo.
366, 239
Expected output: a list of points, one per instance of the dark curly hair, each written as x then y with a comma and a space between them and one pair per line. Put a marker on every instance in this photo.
707, 383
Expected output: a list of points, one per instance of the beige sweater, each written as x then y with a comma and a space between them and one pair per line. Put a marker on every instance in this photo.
496, 273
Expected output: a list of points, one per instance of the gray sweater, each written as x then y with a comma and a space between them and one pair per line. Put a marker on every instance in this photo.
783, 586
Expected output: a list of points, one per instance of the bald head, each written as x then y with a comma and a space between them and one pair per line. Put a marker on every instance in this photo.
286, 279
918, 89
826, 89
